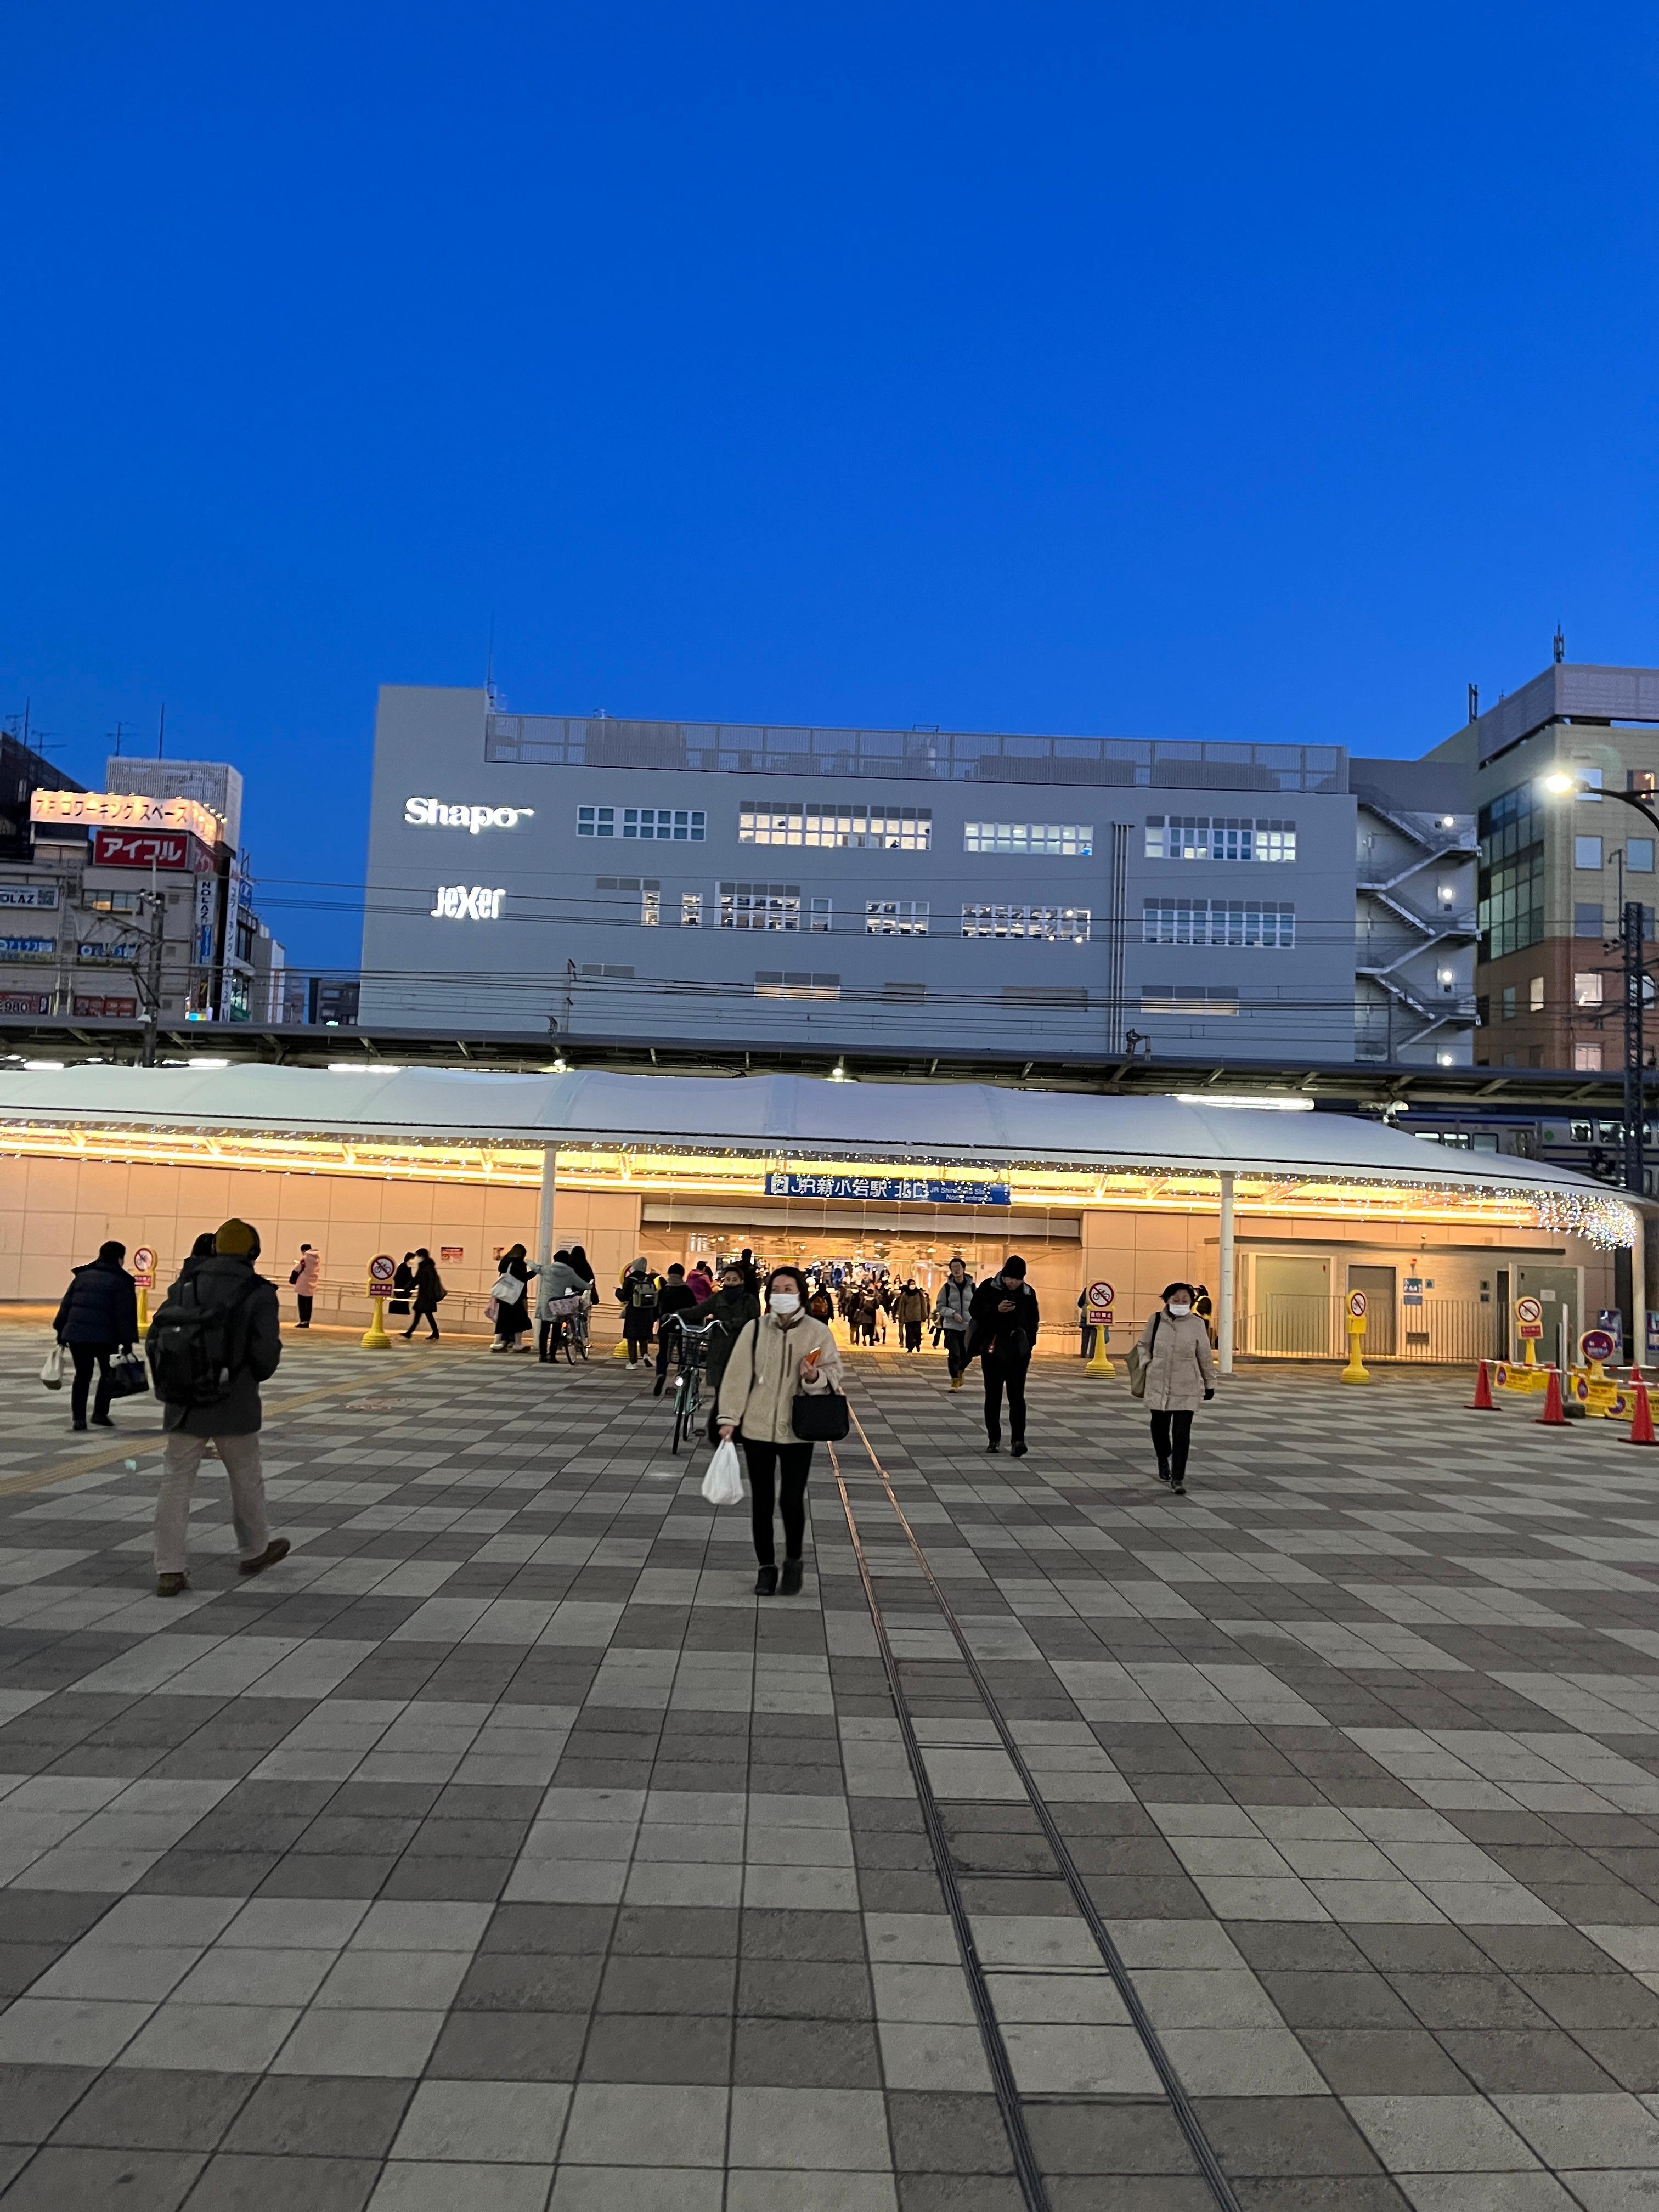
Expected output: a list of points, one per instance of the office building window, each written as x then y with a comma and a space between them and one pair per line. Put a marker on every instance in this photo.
1207, 837
1061, 841
760, 905
1642, 780
1587, 1059
683, 824
794, 983
1535, 995
1188, 998
1638, 855
1253, 922
832, 827
1587, 852
895, 917
821, 914
608, 971
1589, 776
1511, 1001
1054, 925
113, 902
1587, 920
1511, 875
690, 910
1587, 989
650, 908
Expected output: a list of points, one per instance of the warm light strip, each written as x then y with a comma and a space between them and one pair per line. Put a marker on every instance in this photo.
694, 1176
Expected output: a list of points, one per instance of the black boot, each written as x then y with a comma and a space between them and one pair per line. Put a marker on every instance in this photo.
1162, 1470
766, 1581
790, 1586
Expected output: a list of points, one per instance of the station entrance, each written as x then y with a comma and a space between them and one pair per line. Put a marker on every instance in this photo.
890, 1247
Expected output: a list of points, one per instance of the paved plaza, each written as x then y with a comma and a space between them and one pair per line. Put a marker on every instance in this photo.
500, 1850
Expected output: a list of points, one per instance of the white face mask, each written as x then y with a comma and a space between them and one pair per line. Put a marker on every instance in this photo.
785, 1302
1180, 1311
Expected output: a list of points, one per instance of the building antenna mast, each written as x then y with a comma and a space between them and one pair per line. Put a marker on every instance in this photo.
1560, 646
161, 732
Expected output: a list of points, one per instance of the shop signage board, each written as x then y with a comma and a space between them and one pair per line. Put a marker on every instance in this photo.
169, 850
849, 1183
39, 895
125, 809
25, 1002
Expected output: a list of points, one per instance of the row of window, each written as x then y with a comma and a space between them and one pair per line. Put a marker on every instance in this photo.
1247, 923
1206, 1001
1217, 837
833, 827
1251, 922
1639, 854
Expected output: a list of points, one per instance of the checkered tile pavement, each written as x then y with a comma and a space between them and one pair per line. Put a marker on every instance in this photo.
500, 1849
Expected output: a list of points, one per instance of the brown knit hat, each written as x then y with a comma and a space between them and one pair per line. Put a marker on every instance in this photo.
236, 1240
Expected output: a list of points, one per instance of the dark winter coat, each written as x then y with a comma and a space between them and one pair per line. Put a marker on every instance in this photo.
732, 1309
226, 1280
428, 1289
100, 1306
1003, 1340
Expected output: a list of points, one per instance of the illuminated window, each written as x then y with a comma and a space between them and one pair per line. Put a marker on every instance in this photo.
1255, 922
1587, 1059
794, 983
1587, 990
1061, 841
1188, 999
650, 908
760, 905
691, 910
1053, 925
1218, 837
895, 917
1535, 995
832, 827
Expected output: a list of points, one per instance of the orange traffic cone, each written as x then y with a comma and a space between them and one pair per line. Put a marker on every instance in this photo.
1482, 1402
1551, 1416
1641, 1423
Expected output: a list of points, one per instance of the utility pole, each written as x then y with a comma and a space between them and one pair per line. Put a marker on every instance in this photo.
1635, 984
155, 901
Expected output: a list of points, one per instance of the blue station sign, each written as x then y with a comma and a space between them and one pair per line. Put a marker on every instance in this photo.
924, 1190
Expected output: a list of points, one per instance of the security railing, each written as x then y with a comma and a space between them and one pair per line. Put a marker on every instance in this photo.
1449, 1331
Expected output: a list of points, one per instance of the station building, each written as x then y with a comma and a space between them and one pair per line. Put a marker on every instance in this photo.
587, 879
1281, 1214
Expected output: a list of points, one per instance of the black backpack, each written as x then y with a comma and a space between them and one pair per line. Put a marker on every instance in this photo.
196, 1351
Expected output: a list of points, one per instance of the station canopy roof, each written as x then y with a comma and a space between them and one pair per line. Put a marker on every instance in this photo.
248, 1114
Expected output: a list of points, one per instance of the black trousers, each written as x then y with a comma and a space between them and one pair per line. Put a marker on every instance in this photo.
423, 1314
550, 1335
913, 1336
85, 1356
956, 1351
636, 1330
304, 1305
788, 1464
997, 1380
1172, 1434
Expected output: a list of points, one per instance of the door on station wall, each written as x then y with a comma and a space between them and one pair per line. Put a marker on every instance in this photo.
1378, 1284
1557, 1290
1293, 1305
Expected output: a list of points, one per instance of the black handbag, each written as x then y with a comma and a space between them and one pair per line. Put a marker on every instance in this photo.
821, 1416
128, 1376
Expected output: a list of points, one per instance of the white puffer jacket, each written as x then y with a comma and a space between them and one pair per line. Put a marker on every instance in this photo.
757, 1391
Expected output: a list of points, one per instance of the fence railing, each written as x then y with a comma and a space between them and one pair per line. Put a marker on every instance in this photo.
1452, 1331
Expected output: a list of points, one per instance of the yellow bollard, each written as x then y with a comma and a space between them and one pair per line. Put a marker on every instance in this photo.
375, 1336
143, 1310
1099, 1363
1356, 1370
619, 1350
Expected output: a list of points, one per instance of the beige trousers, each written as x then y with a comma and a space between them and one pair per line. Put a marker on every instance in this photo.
240, 1458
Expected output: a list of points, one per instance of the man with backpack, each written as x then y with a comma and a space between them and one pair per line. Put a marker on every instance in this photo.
212, 1343
637, 1295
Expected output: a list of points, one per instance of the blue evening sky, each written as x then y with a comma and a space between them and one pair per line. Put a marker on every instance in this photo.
1260, 372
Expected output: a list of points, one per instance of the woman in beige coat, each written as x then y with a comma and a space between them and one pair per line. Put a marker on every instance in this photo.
783, 1352
1175, 1351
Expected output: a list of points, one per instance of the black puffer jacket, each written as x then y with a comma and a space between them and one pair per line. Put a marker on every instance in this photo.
100, 1306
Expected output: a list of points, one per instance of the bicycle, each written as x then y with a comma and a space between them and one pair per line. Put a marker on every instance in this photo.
564, 1328
694, 1341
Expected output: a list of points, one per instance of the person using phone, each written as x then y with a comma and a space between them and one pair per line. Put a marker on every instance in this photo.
783, 1352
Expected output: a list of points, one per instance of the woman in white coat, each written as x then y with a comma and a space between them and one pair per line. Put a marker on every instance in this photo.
784, 1352
1174, 1351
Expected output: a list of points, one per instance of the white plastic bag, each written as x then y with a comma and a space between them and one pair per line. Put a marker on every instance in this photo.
723, 1484
51, 1368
